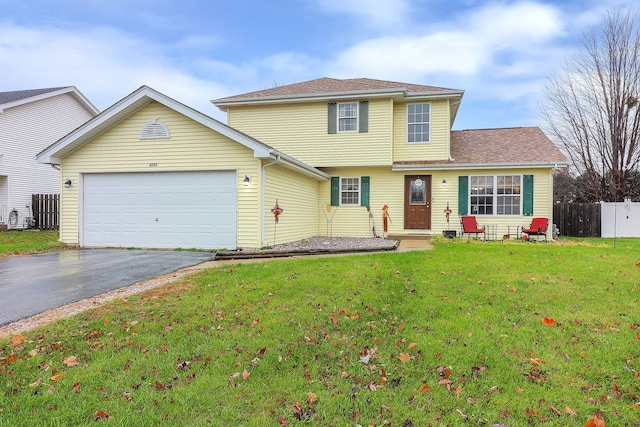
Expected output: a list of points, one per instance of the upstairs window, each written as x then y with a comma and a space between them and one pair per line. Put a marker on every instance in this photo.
348, 117
418, 123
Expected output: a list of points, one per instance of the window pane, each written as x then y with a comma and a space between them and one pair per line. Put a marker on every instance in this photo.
350, 191
418, 116
508, 199
418, 192
348, 117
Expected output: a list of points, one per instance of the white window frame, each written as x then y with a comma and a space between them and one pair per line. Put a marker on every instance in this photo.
419, 123
496, 196
342, 119
357, 191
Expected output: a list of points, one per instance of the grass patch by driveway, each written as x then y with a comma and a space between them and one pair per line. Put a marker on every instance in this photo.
28, 242
469, 333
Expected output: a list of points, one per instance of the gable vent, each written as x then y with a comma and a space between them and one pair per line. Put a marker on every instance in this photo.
154, 129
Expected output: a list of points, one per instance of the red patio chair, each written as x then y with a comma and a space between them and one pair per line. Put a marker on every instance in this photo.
470, 226
537, 228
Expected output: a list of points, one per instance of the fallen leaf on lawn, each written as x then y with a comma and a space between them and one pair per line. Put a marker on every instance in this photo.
548, 321
311, 398
595, 422
445, 382
34, 352
444, 371
425, 388
282, 421
404, 357
570, 411
535, 361
100, 415
70, 361
245, 374
56, 377
18, 339
412, 345
36, 383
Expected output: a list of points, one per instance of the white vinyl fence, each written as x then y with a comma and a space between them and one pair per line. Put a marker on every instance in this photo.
620, 219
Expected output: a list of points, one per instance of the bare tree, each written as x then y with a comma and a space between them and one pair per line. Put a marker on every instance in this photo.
592, 110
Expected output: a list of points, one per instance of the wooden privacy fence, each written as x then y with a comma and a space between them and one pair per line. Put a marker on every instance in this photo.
578, 219
46, 211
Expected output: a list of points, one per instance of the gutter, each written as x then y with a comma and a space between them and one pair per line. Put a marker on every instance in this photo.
467, 166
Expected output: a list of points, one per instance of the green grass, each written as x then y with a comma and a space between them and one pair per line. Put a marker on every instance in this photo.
451, 336
28, 242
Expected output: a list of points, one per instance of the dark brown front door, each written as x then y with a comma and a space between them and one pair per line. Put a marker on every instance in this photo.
417, 202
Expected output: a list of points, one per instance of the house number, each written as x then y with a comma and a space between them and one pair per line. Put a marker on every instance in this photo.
153, 165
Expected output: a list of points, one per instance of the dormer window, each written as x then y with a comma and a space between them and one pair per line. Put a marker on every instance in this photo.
154, 129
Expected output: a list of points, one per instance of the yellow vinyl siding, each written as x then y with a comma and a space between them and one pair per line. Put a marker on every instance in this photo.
301, 131
192, 146
436, 149
387, 187
297, 195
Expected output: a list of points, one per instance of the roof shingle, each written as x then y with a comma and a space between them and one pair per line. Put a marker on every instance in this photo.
18, 95
328, 86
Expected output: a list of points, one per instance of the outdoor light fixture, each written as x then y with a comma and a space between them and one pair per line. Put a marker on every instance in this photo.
247, 180
444, 182
68, 183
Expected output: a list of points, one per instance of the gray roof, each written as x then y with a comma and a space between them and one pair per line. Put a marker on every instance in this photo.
328, 87
18, 95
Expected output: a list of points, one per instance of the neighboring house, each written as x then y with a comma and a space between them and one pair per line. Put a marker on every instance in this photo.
152, 172
31, 120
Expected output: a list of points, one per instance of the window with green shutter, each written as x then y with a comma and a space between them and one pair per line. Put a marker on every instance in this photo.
348, 117
350, 191
495, 195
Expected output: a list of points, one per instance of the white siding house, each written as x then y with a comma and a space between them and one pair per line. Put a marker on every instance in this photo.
31, 120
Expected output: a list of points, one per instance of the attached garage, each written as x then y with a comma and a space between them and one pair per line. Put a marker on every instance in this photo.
159, 209
150, 172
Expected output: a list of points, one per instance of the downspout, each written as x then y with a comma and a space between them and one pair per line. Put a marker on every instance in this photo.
263, 189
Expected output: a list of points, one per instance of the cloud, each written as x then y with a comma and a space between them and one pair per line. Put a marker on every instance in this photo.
104, 63
385, 13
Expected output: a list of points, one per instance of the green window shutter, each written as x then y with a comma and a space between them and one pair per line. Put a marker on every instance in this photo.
335, 191
332, 117
363, 117
463, 195
527, 195
364, 190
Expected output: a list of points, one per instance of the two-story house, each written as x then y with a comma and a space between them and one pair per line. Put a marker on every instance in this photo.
327, 155
31, 120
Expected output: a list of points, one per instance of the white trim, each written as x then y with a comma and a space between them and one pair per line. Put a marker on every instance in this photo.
351, 191
495, 195
357, 117
467, 166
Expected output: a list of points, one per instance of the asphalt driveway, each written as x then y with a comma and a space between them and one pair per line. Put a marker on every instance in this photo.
33, 284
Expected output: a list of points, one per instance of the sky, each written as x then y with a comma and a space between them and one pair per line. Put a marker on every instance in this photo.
501, 53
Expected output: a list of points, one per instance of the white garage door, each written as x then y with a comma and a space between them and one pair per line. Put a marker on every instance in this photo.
160, 210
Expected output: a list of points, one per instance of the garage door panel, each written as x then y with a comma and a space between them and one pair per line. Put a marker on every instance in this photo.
160, 210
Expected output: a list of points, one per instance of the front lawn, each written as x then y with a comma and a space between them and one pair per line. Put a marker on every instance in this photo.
469, 333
